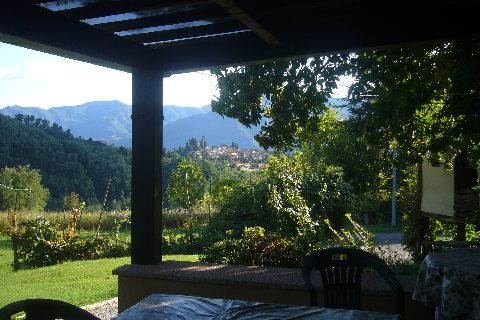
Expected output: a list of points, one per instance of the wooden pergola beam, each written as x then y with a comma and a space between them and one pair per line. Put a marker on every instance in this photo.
37, 28
247, 20
348, 34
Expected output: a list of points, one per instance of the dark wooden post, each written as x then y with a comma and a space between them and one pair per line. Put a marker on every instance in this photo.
466, 199
147, 126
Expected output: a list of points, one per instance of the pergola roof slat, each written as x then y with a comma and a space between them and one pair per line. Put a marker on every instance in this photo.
199, 31
209, 39
208, 13
107, 8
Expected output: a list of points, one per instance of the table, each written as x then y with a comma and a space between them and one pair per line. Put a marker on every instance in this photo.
177, 307
450, 280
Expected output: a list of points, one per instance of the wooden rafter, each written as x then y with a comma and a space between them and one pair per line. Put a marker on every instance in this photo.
37, 28
246, 19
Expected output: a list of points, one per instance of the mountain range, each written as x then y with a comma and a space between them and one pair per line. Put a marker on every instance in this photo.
110, 121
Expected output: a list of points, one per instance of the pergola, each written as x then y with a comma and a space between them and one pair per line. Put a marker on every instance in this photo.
155, 38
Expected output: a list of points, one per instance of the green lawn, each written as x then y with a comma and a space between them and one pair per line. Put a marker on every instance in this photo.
383, 228
78, 282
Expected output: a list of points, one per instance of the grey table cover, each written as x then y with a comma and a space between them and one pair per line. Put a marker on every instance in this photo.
451, 281
177, 307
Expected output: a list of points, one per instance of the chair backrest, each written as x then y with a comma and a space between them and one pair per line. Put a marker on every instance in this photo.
45, 309
341, 272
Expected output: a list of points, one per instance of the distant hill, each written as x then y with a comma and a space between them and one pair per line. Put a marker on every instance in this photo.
110, 121
100, 120
67, 164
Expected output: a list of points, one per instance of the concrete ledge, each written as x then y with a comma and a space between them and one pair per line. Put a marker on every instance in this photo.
274, 285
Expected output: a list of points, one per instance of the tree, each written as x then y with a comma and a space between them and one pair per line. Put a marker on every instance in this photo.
67, 164
72, 202
283, 97
15, 189
424, 98
187, 184
338, 142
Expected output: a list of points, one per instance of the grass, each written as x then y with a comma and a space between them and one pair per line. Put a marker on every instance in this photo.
77, 282
383, 228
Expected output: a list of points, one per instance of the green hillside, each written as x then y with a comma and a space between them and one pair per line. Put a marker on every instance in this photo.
67, 164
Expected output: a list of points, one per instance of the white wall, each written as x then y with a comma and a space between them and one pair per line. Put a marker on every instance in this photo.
437, 190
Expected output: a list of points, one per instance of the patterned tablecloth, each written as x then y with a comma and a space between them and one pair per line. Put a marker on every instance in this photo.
451, 280
176, 307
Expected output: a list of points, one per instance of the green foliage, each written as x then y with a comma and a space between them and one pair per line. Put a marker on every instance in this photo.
287, 197
67, 164
22, 177
284, 176
357, 237
39, 244
423, 97
187, 184
444, 230
73, 202
260, 247
281, 96
337, 148
257, 247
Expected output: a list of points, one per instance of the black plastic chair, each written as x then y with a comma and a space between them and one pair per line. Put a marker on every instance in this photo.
45, 309
341, 272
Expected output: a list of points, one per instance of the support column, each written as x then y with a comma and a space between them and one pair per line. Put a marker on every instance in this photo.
147, 144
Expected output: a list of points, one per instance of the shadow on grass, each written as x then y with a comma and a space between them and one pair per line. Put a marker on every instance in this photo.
5, 243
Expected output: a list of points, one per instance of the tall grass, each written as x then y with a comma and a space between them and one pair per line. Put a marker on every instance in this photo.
85, 220
88, 220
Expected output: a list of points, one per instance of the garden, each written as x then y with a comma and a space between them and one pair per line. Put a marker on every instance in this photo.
327, 179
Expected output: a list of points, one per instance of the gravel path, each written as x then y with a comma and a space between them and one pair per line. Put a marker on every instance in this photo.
104, 310
390, 237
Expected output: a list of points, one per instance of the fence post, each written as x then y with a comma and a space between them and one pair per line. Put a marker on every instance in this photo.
14, 242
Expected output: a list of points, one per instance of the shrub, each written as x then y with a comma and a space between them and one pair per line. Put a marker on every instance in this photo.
256, 247
39, 244
288, 197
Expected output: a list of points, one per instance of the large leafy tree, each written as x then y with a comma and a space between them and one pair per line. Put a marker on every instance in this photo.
424, 98
281, 96
337, 142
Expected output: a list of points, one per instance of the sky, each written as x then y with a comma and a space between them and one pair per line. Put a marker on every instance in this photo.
30, 78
